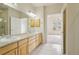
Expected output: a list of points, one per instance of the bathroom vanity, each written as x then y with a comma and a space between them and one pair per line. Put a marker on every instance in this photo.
21, 45
17, 37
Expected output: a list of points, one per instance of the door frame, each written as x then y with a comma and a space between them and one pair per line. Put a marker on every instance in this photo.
64, 31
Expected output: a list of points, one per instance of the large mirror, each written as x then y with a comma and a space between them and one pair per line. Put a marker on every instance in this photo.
3, 20
2, 26
12, 21
18, 25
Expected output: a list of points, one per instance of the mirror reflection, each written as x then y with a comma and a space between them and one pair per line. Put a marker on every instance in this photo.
12, 21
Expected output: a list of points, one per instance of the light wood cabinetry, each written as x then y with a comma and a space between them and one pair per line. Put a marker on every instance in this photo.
12, 52
22, 50
40, 39
22, 47
34, 42
31, 44
9, 49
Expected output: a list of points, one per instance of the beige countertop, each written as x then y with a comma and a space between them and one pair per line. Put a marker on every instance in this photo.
11, 39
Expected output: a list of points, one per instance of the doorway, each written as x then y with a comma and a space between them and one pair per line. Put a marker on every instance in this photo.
55, 32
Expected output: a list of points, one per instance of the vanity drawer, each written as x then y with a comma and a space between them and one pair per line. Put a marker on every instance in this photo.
23, 42
32, 38
7, 48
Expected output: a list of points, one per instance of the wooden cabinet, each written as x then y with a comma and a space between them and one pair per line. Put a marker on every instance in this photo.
31, 44
23, 47
9, 49
34, 42
40, 40
12, 52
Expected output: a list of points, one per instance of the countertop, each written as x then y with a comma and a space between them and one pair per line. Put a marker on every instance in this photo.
11, 39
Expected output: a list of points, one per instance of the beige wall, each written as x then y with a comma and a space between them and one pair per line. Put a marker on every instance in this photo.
72, 29
55, 8
40, 13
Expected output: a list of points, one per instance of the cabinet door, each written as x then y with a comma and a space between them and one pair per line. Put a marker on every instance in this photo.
23, 50
40, 38
31, 47
13, 52
8, 48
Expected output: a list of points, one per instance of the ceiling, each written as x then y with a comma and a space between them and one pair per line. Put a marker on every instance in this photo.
50, 7
54, 7
42, 4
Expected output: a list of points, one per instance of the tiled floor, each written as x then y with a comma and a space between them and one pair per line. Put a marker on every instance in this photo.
52, 47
